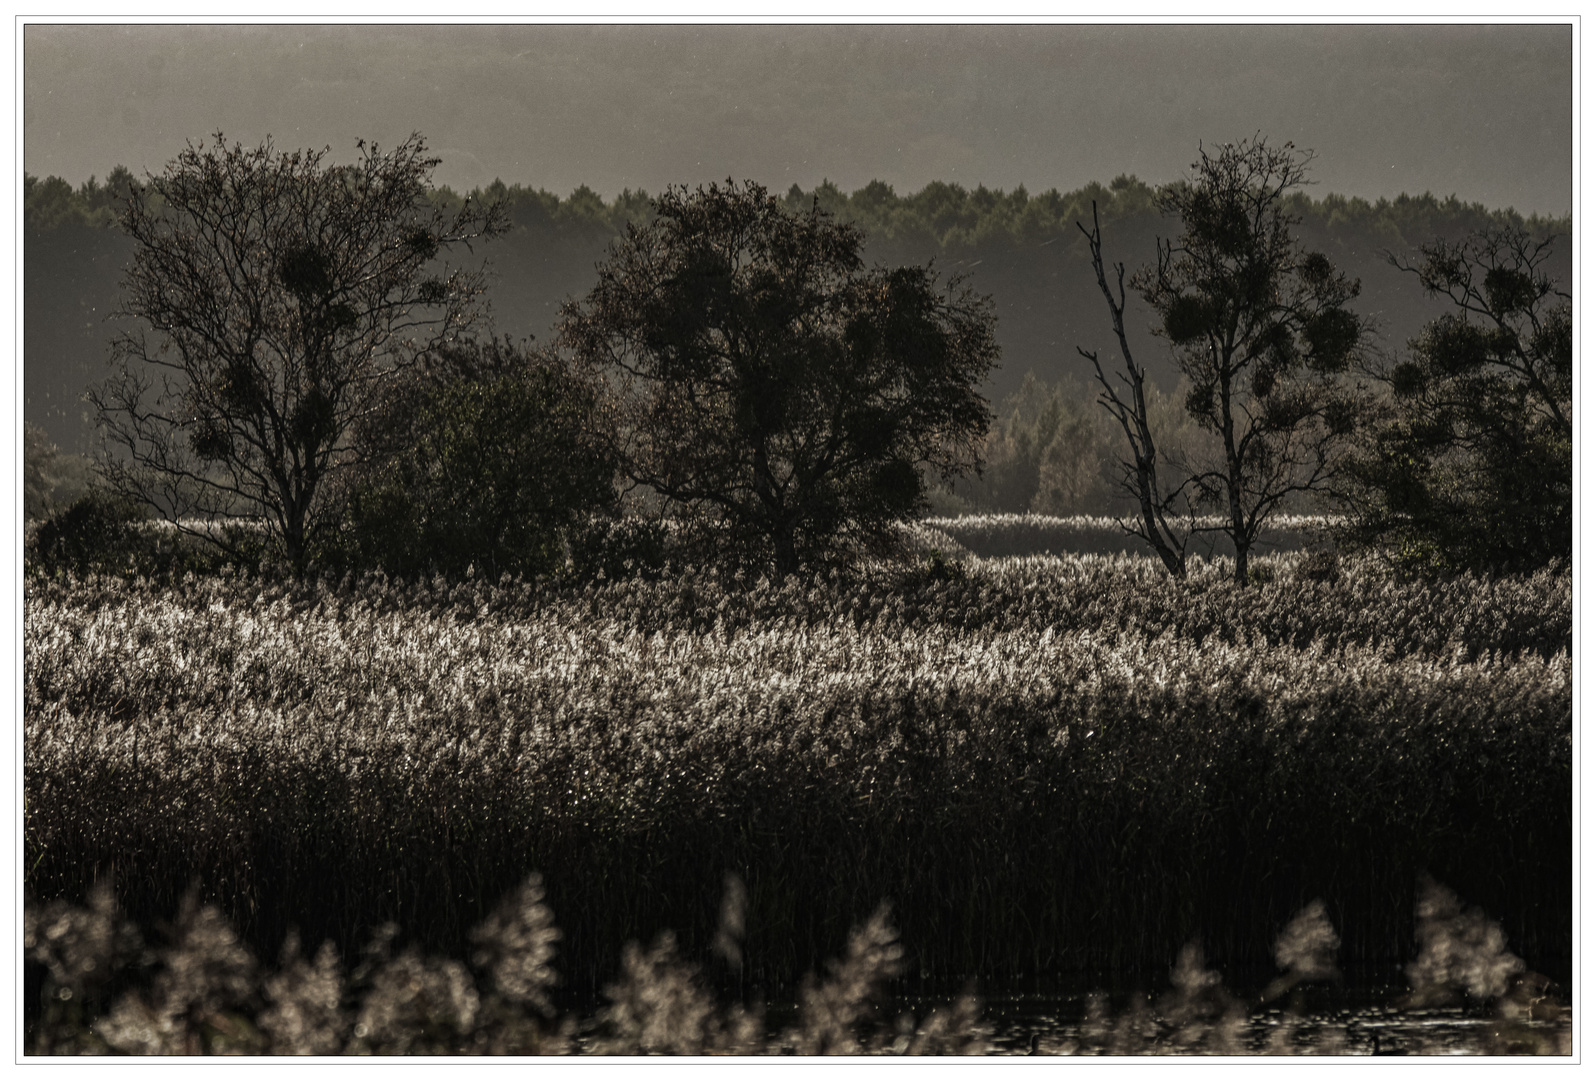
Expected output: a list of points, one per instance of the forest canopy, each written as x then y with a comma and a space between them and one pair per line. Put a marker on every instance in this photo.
1021, 248
948, 215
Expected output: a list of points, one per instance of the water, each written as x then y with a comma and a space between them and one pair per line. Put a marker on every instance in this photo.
1353, 1014
1350, 1018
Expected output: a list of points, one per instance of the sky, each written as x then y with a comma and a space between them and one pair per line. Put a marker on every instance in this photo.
1483, 112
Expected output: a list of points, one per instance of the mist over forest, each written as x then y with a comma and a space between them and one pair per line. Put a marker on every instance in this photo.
1024, 250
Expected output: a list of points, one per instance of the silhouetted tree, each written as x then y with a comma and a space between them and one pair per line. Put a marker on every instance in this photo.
1471, 465
1262, 330
275, 297
1126, 402
770, 382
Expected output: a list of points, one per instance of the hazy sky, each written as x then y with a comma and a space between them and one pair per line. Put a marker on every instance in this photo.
1483, 112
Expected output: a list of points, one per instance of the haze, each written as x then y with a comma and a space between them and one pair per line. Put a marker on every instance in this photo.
1482, 112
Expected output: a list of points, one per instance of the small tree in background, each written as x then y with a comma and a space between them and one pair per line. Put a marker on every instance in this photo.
486, 455
1470, 467
50, 479
276, 296
771, 384
1262, 330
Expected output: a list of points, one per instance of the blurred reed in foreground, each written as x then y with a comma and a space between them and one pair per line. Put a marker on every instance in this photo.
102, 991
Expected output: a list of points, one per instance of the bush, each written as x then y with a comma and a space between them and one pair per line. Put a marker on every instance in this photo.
484, 460
617, 548
99, 531
1320, 565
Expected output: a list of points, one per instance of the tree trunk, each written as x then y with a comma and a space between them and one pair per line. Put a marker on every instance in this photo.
1233, 474
296, 528
786, 545
1243, 554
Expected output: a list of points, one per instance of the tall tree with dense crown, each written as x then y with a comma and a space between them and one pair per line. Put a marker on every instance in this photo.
1471, 465
1262, 329
275, 295
770, 382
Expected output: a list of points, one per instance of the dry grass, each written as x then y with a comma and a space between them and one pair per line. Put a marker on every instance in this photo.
1050, 764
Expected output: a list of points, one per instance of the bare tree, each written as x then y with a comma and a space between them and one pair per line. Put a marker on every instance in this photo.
1130, 409
281, 293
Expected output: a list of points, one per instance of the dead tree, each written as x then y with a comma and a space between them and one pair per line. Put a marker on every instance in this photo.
1141, 473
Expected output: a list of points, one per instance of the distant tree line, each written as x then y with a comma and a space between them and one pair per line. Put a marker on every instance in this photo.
947, 216
953, 220
304, 365
1021, 249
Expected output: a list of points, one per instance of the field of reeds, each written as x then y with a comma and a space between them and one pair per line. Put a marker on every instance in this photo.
1048, 765
1001, 535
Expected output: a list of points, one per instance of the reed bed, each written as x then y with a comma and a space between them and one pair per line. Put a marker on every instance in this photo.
999, 535
1048, 764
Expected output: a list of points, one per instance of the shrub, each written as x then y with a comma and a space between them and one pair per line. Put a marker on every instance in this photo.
486, 460
616, 548
99, 531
